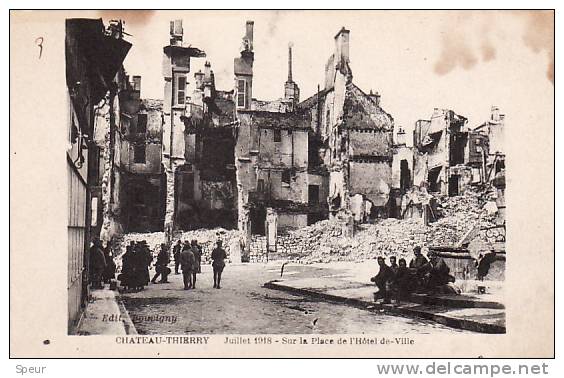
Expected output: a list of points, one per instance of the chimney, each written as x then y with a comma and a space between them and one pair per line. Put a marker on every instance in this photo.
290, 62
176, 33
136, 83
249, 35
243, 70
207, 71
342, 46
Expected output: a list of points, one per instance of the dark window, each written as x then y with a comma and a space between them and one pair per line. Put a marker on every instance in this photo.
139, 154
277, 136
141, 123
286, 176
313, 194
241, 96
180, 90
260, 185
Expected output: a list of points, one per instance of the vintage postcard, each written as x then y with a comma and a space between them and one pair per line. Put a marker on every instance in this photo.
282, 183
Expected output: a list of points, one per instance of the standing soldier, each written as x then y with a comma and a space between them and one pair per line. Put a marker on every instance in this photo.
176, 254
197, 251
218, 256
187, 262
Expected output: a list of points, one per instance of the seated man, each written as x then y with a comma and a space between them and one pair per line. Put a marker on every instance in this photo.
382, 280
419, 267
404, 281
393, 264
438, 273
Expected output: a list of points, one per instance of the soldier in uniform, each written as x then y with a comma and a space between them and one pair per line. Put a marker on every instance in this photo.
218, 263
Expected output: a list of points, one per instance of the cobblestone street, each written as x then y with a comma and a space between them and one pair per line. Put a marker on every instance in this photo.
243, 306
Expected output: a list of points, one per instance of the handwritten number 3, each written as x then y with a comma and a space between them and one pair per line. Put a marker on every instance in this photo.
39, 42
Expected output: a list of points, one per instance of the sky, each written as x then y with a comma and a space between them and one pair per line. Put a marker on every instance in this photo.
466, 61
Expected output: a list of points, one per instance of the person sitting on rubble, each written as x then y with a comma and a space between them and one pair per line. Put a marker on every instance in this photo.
418, 266
484, 262
383, 280
161, 266
438, 276
419, 260
404, 281
393, 264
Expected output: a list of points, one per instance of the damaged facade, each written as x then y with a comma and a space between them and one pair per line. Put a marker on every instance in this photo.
141, 192
221, 158
94, 55
300, 162
198, 144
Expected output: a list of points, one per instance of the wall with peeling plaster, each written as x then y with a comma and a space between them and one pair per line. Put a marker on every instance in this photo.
371, 180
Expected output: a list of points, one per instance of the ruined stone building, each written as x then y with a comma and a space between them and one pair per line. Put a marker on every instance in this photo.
198, 143
300, 162
139, 197
94, 55
206, 190
439, 152
493, 129
354, 140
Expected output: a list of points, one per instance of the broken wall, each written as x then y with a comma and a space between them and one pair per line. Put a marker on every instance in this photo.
369, 142
401, 153
371, 180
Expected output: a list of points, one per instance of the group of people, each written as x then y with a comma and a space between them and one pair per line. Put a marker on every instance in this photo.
422, 275
102, 266
136, 262
188, 257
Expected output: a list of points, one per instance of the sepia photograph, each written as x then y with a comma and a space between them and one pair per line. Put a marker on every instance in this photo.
273, 178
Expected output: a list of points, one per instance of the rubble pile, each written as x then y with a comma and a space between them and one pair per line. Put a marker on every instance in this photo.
324, 241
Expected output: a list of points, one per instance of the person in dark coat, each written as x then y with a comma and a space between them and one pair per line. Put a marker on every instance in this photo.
404, 281
438, 273
126, 275
97, 264
110, 269
161, 266
187, 262
383, 279
393, 264
484, 263
218, 256
418, 266
176, 254
419, 261
145, 260
197, 251
135, 279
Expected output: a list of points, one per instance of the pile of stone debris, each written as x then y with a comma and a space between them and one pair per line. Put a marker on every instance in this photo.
324, 241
